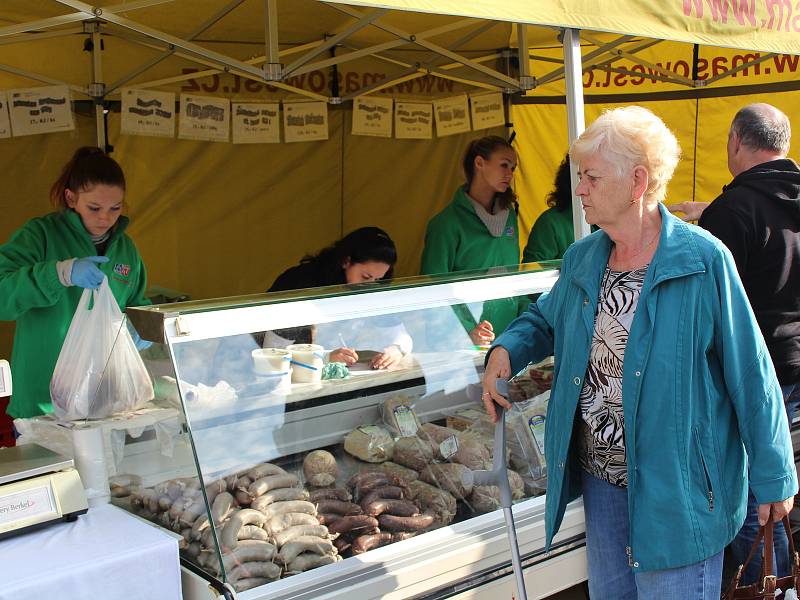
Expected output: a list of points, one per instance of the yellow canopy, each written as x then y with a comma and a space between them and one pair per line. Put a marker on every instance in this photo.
765, 25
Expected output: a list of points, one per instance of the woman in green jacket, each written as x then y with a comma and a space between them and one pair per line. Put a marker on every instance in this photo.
478, 230
553, 231
47, 263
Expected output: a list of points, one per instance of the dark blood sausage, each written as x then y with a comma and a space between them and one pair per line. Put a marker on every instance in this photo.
387, 491
327, 518
359, 479
415, 523
330, 494
364, 543
338, 507
401, 508
353, 523
342, 544
369, 486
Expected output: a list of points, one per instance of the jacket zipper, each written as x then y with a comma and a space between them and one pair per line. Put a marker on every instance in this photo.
629, 552
709, 490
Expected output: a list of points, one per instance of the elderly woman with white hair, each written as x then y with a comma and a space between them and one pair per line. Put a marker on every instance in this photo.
664, 394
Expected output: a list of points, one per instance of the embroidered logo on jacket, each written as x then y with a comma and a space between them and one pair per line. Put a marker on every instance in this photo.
509, 232
121, 269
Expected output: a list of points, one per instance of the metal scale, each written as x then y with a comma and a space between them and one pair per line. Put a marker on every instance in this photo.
37, 486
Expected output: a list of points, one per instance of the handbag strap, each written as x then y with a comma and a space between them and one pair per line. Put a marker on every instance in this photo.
768, 579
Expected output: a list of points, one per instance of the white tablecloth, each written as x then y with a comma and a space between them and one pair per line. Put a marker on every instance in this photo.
107, 554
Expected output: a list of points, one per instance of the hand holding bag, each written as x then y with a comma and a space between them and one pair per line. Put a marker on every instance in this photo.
767, 586
98, 371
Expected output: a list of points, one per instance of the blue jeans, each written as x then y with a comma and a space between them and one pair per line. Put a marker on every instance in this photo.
610, 577
741, 544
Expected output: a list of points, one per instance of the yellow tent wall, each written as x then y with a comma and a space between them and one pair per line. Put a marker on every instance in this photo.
214, 219
700, 118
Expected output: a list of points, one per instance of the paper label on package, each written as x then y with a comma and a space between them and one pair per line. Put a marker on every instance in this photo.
448, 447
147, 112
44, 109
28, 504
413, 120
487, 110
256, 123
406, 421
5, 121
452, 115
536, 425
305, 121
372, 116
204, 118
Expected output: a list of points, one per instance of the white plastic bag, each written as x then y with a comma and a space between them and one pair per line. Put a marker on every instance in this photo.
99, 371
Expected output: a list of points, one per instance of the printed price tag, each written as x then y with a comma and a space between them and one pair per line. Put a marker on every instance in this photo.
449, 447
406, 421
536, 425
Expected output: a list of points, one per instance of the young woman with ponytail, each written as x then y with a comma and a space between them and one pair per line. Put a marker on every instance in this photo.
478, 230
49, 261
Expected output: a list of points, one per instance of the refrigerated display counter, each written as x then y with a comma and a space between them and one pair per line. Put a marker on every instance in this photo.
289, 475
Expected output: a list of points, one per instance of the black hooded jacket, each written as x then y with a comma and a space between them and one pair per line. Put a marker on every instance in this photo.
757, 217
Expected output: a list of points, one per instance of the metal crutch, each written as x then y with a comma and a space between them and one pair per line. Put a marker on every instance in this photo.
498, 476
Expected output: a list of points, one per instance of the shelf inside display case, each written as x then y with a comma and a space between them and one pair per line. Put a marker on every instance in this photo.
292, 476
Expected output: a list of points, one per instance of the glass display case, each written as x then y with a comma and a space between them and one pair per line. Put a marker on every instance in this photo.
323, 442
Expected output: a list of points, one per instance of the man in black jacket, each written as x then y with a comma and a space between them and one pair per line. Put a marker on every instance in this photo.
757, 216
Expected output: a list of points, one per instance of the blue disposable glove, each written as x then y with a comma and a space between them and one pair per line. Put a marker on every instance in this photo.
85, 272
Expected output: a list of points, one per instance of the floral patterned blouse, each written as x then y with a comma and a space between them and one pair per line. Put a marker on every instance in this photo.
601, 421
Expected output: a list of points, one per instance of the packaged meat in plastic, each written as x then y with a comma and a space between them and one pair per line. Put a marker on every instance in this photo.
441, 503
486, 498
398, 414
525, 424
452, 477
455, 446
414, 453
370, 443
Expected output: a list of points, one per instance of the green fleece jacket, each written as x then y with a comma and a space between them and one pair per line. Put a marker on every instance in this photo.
457, 240
551, 235
31, 294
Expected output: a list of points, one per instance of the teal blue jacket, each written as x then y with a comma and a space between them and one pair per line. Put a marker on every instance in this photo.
700, 395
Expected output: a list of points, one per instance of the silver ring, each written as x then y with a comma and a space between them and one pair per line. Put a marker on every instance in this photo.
485, 395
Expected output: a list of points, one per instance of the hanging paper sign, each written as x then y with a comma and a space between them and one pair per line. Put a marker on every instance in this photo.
40, 110
256, 123
146, 112
5, 123
372, 116
413, 120
452, 115
305, 121
487, 110
204, 118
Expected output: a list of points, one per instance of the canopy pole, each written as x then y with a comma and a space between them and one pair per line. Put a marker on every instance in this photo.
97, 87
575, 120
272, 68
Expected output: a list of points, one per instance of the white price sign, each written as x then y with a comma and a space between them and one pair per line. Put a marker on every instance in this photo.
5, 379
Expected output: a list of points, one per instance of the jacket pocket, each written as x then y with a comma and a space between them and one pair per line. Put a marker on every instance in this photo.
709, 489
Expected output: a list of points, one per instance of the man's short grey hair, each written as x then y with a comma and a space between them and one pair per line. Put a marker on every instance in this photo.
763, 127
